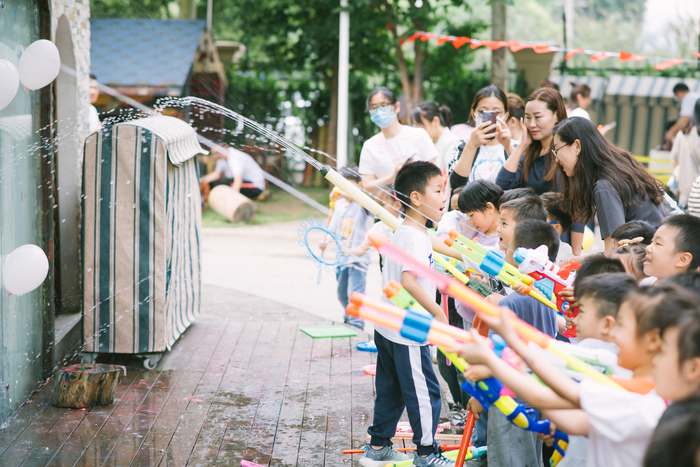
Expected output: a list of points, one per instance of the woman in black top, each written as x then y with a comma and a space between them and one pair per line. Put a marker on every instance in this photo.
604, 179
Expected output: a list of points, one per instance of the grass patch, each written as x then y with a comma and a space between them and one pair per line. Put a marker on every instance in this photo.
279, 207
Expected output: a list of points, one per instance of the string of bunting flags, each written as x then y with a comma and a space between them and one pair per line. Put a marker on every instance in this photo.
596, 55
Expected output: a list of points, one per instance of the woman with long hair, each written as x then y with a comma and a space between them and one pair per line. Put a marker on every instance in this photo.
579, 100
599, 178
436, 121
386, 152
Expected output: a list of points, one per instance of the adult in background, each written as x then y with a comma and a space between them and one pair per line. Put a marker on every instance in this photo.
93, 115
532, 164
436, 122
603, 179
579, 100
516, 112
386, 152
685, 153
237, 169
688, 100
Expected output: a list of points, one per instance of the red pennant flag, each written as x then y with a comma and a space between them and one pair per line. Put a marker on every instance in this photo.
493, 45
628, 57
515, 46
415, 36
427, 36
402, 41
600, 56
542, 49
697, 54
390, 26
476, 43
460, 41
669, 64
442, 39
571, 54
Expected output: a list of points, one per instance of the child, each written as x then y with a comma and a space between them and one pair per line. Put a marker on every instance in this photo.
480, 201
350, 223
639, 230
405, 376
512, 212
674, 249
632, 258
676, 439
508, 444
560, 219
516, 193
618, 423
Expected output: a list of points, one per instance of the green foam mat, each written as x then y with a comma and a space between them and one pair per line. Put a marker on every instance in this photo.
327, 331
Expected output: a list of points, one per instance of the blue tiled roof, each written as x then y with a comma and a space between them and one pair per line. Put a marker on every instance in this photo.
143, 52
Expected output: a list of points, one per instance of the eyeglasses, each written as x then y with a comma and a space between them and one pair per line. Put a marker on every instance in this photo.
554, 150
381, 106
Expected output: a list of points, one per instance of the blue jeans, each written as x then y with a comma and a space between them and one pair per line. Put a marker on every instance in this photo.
350, 280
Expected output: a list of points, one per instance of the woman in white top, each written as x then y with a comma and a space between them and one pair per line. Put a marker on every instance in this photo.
436, 121
579, 100
516, 112
386, 152
488, 147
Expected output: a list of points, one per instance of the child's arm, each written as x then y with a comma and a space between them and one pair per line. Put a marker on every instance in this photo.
557, 380
479, 352
561, 324
360, 250
410, 283
571, 421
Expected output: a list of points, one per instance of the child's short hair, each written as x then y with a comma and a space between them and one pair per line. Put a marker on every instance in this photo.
532, 233
634, 229
638, 254
661, 307
596, 264
414, 176
689, 280
527, 207
688, 228
555, 206
351, 173
476, 195
676, 439
516, 193
608, 290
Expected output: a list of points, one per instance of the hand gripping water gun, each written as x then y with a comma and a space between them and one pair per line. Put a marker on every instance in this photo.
489, 391
471, 282
472, 299
495, 264
536, 263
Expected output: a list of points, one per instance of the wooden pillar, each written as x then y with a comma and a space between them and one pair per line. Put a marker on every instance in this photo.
499, 62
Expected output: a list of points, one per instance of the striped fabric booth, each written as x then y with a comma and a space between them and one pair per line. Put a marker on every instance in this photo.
141, 222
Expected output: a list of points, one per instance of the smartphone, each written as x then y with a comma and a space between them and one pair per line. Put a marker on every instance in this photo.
489, 116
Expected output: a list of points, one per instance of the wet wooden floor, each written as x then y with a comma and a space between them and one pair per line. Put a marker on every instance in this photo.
241, 383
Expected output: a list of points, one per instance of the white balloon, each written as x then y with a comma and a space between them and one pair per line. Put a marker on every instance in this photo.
39, 65
9, 83
25, 269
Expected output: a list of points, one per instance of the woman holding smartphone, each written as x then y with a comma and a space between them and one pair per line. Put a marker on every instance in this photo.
488, 147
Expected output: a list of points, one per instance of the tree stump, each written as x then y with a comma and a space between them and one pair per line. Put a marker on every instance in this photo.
83, 386
231, 204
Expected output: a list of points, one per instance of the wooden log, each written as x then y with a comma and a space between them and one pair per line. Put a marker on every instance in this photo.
82, 386
231, 204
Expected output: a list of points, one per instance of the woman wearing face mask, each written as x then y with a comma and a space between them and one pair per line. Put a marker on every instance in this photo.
483, 155
603, 179
386, 152
436, 121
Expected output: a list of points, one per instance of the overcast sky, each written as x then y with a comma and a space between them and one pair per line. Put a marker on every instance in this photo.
660, 13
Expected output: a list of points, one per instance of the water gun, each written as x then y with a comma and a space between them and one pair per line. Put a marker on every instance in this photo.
536, 263
472, 299
489, 391
494, 263
473, 283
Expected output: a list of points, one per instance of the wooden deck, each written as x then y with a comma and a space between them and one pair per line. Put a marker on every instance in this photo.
242, 383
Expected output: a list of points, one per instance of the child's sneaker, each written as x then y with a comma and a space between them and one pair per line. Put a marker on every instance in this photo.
437, 460
386, 455
458, 417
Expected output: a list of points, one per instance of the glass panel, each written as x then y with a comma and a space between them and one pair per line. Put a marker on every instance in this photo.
21, 328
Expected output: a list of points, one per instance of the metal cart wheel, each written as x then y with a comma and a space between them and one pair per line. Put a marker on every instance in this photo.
150, 361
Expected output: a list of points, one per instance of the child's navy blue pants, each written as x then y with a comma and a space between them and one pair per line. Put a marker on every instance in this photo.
405, 379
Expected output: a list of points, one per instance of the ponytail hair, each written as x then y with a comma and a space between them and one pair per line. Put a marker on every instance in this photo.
577, 89
430, 110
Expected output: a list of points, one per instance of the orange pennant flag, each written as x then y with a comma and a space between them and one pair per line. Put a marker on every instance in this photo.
669, 64
460, 41
427, 36
571, 54
493, 45
542, 49
515, 46
415, 36
442, 39
476, 43
600, 56
697, 54
628, 57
